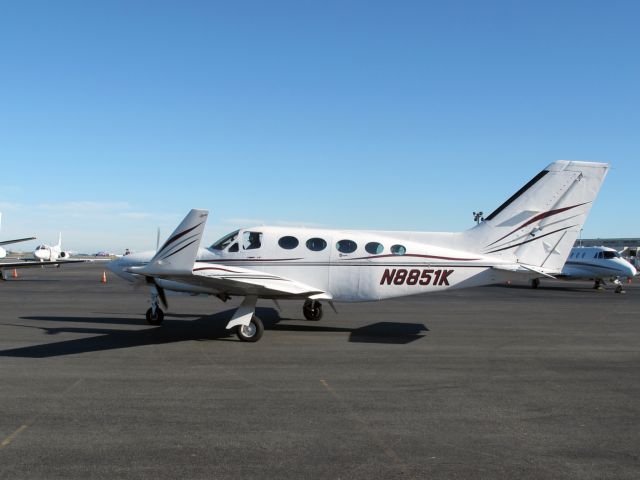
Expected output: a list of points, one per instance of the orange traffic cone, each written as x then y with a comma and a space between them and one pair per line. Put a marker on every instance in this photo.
15, 273
104, 277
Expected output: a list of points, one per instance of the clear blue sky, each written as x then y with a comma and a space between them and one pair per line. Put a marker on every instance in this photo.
118, 117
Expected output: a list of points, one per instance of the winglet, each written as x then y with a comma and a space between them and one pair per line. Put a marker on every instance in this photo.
178, 254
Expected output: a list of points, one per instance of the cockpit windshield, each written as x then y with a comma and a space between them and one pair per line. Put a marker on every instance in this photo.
225, 241
608, 254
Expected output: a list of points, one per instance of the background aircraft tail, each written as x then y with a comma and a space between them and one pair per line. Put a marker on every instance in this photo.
539, 224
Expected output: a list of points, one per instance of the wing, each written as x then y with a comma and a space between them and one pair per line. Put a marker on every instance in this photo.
35, 263
17, 240
243, 282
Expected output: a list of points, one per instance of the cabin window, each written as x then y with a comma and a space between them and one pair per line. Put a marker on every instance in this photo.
346, 246
374, 248
398, 250
225, 241
316, 244
251, 240
288, 242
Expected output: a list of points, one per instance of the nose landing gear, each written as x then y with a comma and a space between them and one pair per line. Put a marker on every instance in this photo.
155, 315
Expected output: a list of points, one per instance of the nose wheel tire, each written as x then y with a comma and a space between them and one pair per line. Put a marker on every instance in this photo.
252, 332
155, 318
312, 310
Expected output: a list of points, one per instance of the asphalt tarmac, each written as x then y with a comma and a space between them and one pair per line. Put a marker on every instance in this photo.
494, 382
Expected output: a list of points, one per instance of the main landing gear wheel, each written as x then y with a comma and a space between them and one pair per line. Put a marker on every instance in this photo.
252, 332
535, 283
312, 310
155, 318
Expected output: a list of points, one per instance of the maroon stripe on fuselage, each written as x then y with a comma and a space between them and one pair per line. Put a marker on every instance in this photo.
414, 255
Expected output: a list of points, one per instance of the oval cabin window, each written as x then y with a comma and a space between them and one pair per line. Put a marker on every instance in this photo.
346, 246
316, 244
398, 250
288, 242
374, 248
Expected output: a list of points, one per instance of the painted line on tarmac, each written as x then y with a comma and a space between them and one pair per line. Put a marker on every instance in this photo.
7, 441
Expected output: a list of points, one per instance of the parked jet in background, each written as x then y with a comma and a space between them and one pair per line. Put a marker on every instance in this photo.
529, 235
44, 255
51, 253
595, 263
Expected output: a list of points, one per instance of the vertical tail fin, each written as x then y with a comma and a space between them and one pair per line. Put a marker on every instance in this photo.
59, 245
178, 254
539, 224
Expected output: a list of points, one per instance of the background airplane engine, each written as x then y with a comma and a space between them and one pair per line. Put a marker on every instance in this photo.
64, 255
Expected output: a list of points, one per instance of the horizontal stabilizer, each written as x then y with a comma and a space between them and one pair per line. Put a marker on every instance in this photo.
521, 268
178, 254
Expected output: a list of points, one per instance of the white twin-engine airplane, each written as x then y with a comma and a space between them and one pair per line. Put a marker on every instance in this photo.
51, 253
530, 235
595, 263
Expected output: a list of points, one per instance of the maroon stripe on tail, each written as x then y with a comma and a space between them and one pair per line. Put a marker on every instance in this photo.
540, 216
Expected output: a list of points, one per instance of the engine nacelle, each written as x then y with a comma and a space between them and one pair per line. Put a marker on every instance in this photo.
64, 255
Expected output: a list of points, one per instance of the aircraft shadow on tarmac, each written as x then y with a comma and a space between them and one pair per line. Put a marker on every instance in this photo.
210, 327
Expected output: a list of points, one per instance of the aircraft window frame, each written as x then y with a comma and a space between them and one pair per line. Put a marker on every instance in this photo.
234, 248
398, 249
251, 240
225, 241
288, 242
374, 248
346, 246
311, 244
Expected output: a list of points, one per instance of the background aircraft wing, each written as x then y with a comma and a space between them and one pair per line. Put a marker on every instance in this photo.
17, 240
35, 263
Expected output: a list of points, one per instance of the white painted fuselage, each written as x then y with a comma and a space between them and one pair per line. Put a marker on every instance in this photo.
395, 265
597, 263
